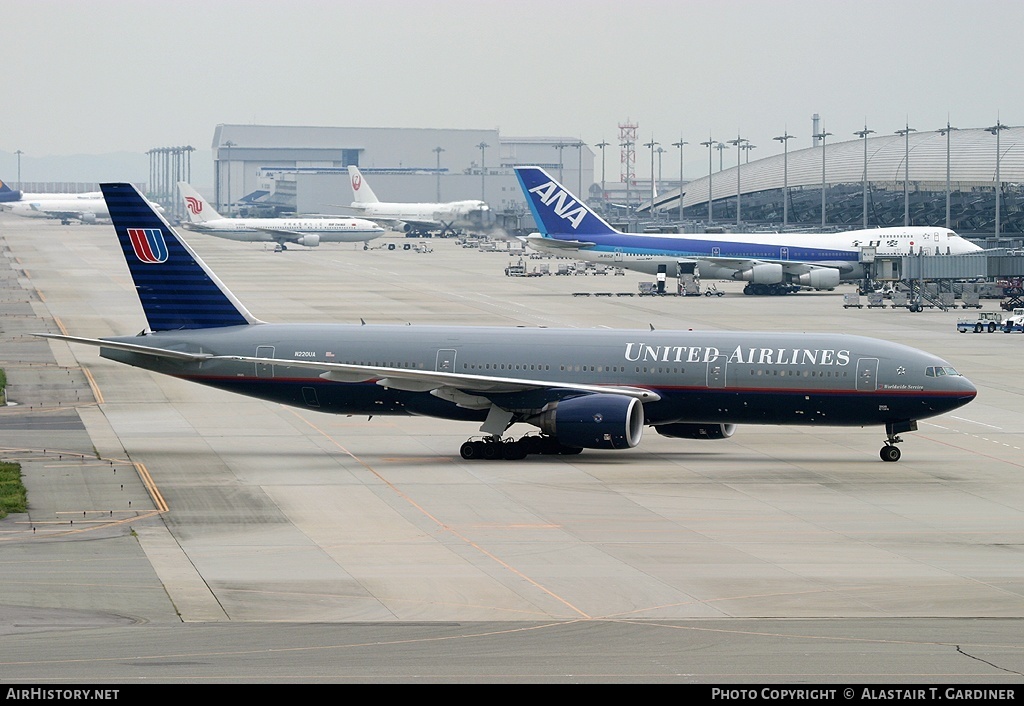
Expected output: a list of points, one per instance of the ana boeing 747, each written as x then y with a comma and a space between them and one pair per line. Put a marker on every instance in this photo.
307, 231
770, 263
582, 388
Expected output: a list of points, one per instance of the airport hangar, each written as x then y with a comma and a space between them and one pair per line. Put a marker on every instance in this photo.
304, 169
969, 155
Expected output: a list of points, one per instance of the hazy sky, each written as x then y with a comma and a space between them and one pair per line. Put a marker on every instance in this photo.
105, 75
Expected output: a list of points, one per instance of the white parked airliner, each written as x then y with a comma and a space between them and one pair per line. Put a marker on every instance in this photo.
308, 231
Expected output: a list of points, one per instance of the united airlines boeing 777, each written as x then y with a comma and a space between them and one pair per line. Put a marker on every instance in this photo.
584, 389
770, 263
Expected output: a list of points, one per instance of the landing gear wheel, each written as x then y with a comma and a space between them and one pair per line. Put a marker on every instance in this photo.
889, 453
513, 451
469, 451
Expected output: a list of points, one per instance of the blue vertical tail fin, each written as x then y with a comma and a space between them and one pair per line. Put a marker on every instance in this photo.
176, 288
557, 211
8, 194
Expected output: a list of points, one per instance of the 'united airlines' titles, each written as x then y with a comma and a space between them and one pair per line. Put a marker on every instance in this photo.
642, 352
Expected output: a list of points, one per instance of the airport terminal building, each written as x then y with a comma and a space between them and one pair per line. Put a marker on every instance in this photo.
874, 180
907, 179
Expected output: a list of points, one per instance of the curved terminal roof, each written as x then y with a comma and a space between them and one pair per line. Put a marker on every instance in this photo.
972, 161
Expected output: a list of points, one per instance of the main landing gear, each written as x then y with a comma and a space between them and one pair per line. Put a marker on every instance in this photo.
494, 448
778, 289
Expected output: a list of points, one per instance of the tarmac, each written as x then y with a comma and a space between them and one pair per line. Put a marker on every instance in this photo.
180, 534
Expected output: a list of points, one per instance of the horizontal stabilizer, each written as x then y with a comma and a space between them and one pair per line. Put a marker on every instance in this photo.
129, 347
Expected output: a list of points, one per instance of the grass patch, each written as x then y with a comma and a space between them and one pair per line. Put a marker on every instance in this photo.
13, 497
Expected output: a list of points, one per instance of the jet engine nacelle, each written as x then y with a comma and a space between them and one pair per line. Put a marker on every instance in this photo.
407, 228
597, 421
310, 240
765, 273
88, 218
820, 278
696, 431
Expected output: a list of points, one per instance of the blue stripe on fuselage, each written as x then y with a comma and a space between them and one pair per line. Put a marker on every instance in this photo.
668, 246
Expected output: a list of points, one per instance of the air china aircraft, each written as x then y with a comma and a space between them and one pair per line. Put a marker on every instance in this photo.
307, 231
583, 388
771, 263
417, 217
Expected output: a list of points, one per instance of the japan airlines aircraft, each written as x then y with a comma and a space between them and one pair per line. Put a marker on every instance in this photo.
583, 388
775, 263
418, 217
298, 230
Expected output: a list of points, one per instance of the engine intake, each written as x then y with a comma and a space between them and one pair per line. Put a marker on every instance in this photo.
597, 421
696, 431
310, 240
766, 273
820, 278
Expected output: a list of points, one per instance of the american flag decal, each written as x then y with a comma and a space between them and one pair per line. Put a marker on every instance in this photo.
148, 244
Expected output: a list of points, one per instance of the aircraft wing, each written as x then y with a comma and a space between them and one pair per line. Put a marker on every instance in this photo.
466, 390
745, 263
448, 384
556, 244
281, 234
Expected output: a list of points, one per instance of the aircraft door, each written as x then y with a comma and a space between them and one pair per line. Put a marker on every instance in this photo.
716, 251
716, 371
445, 361
618, 254
309, 397
867, 374
264, 370
783, 253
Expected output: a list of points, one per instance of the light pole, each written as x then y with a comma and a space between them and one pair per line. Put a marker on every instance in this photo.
483, 169
560, 146
784, 139
720, 146
947, 131
710, 144
821, 136
229, 144
906, 172
438, 151
19, 153
995, 130
739, 142
746, 148
863, 134
580, 144
657, 185
652, 144
601, 145
680, 146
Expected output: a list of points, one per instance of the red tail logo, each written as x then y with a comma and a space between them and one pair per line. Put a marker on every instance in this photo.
357, 181
194, 205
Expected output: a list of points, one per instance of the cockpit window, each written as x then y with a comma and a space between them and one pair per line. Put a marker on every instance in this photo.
939, 370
